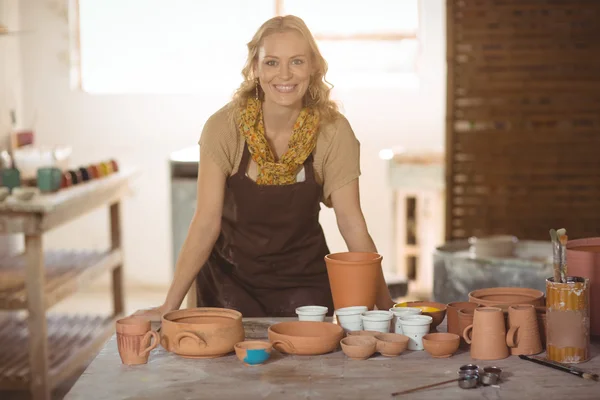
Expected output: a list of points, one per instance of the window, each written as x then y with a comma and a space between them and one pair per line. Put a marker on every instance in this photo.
191, 46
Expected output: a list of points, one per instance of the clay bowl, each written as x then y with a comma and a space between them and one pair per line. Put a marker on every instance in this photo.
305, 337
253, 352
438, 316
364, 333
391, 344
205, 332
359, 347
441, 344
506, 296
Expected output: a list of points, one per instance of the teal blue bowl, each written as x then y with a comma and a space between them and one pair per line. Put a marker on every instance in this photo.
253, 352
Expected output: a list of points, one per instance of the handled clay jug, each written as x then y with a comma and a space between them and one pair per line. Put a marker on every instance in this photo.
523, 335
487, 334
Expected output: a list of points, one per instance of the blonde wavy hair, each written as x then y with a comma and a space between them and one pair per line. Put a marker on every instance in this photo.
317, 95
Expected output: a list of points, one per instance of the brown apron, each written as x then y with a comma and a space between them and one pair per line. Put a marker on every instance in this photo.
269, 257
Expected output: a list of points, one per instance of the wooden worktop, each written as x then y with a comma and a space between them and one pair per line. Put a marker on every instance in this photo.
330, 376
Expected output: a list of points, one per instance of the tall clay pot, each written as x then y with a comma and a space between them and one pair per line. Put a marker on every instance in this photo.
523, 335
583, 259
353, 278
487, 335
568, 320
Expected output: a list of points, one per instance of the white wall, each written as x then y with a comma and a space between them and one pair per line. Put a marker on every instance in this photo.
143, 130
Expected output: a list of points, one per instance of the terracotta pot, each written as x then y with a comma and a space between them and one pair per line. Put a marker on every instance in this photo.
358, 347
583, 259
506, 296
523, 335
541, 318
305, 337
134, 335
205, 332
391, 344
353, 278
253, 352
465, 318
452, 315
487, 335
441, 344
567, 319
437, 316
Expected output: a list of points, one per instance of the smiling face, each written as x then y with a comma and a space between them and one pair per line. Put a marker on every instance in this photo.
284, 68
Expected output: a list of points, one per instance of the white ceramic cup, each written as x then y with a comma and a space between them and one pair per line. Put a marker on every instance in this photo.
311, 313
377, 320
399, 312
350, 318
415, 327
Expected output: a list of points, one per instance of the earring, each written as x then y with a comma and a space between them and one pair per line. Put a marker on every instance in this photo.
256, 87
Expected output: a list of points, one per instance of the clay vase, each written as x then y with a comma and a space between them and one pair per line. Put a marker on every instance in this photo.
134, 335
465, 318
541, 318
583, 259
523, 335
452, 315
487, 335
353, 278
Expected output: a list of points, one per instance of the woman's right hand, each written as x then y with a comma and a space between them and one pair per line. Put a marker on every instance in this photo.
154, 314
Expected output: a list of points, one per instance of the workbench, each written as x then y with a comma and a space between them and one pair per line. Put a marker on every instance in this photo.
329, 376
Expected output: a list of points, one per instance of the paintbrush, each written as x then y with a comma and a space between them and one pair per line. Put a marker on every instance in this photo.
555, 255
563, 256
562, 367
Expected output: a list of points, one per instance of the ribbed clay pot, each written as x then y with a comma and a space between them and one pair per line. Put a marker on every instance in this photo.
583, 259
353, 278
523, 335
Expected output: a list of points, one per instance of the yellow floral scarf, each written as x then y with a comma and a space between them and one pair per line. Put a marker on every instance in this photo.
301, 144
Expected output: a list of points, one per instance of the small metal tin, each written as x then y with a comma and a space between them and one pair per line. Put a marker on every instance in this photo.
493, 370
489, 378
468, 369
468, 382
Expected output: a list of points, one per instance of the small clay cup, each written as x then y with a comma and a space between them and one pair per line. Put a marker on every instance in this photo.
134, 335
441, 344
253, 352
391, 344
359, 347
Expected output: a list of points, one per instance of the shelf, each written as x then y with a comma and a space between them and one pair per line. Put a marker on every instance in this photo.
72, 340
66, 273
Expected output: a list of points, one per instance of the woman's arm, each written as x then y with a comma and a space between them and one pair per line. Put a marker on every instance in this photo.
352, 226
202, 234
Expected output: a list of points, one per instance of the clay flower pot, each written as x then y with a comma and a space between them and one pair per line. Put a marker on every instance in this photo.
391, 344
358, 347
253, 352
353, 278
437, 311
583, 259
441, 344
505, 296
350, 318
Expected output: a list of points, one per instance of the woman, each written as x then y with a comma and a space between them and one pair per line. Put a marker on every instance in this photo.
267, 160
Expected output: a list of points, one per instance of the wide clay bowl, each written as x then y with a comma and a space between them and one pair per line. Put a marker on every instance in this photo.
359, 347
391, 344
441, 344
435, 310
205, 332
305, 337
506, 296
253, 352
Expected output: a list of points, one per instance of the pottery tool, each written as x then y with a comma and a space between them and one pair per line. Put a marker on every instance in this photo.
425, 387
555, 255
562, 367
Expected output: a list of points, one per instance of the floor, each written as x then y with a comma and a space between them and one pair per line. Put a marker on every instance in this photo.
92, 302
98, 302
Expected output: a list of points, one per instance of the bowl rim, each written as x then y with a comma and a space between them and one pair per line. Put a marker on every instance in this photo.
265, 345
